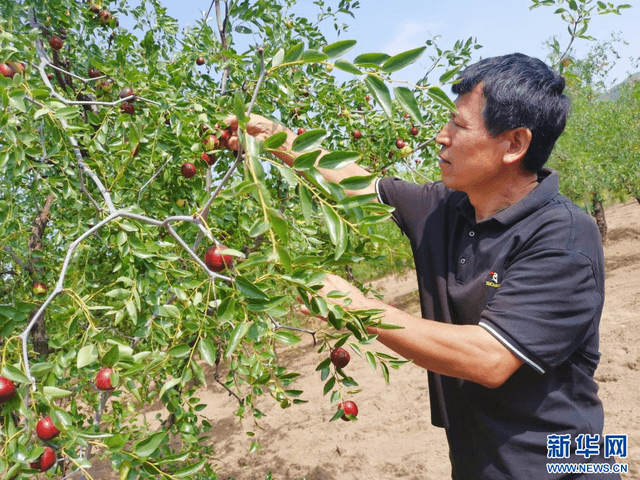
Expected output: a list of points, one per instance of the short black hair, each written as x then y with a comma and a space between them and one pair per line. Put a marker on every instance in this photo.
520, 91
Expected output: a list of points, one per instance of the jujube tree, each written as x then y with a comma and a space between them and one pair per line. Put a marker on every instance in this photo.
97, 129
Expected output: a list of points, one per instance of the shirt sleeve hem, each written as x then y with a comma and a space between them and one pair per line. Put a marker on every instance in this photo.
512, 348
377, 182
382, 200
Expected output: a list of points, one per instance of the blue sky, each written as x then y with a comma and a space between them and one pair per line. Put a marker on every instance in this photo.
500, 26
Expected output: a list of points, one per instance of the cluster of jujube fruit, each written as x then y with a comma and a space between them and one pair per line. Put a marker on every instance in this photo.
45, 428
210, 143
340, 359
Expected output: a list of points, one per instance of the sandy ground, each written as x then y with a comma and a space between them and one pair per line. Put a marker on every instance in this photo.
393, 437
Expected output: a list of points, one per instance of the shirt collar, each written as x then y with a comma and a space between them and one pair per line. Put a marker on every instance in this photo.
548, 187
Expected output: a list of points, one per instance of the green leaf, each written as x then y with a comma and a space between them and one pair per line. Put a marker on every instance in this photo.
16, 100
278, 58
306, 203
337, 415
337, 160
324, 364
398, 62
243, 188
279, 224
87, 355
179, 351
306, 161
441, 98
170, 311
169, 384
259, 227
357, 182
287, 338
373, 219
239, 106
385, 372
347, 66
329, 385
226, 309
116, 442
380, 92
314, 175
55, 393
146, 447
112, 356
189, 470
343, 238
294, 53
339, 48
389, 326
275, 140
333, 223
310, 56
309, 140
249, 290
357, 200
39, 113
284, 255
237, 335
371, 359
130, 306
198, 372
63, 418
447, 76
119, 293
367, 59
207, 351
319, 306
41, 369
407, 100
15, 375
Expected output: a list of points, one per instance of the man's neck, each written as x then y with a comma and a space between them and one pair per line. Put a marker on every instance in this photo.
490, 201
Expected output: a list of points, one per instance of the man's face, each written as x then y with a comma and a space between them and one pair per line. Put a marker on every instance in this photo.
470, 158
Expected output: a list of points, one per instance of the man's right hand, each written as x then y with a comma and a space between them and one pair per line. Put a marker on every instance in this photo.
260, 128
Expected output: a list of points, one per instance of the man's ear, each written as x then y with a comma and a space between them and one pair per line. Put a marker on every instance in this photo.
518, 140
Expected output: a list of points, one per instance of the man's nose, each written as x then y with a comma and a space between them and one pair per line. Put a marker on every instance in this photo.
443, 136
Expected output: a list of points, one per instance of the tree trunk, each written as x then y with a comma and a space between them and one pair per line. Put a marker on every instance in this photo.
638, 199
39, 331
39, 336
598, 213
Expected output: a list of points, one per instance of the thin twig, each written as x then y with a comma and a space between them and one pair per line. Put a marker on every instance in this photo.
573, 37
153, 178
222, 29
96, 420
216, 377
279, 326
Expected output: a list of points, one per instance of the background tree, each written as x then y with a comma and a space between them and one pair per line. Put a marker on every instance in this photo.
598, 154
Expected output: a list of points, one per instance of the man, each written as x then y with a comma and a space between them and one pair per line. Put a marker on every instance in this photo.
511, 280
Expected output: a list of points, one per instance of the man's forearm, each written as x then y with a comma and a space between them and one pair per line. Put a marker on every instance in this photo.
461, 351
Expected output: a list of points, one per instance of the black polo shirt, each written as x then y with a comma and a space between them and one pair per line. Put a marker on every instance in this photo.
532, 276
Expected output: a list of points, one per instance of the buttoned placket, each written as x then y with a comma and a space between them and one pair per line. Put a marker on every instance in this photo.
463, 260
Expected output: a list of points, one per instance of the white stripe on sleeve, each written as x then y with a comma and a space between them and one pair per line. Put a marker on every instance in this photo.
517, 352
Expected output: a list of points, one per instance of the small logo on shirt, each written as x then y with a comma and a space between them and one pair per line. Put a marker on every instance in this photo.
493, 280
